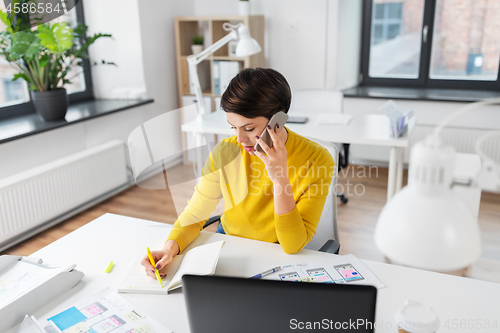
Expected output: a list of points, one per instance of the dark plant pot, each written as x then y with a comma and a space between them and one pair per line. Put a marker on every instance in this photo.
51, 105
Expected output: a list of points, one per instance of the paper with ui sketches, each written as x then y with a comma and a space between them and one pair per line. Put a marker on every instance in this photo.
105, 311
345, 269
201, 260
333, 119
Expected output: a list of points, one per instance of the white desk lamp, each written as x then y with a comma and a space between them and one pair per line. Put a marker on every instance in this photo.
425, 225
246, 46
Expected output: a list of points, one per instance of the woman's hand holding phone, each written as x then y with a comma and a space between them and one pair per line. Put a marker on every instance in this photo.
276, 158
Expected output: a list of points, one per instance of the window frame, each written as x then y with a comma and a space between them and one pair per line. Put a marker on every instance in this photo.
12, 111
423, 80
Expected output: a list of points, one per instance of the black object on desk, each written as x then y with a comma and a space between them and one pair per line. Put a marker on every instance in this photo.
226, 304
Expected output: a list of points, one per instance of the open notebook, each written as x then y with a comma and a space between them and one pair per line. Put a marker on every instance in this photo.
201, 260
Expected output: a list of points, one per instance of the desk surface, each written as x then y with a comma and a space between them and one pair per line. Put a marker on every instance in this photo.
121, 239
370, 129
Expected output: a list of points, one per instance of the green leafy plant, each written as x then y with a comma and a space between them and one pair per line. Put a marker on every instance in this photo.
197, 40
45, 55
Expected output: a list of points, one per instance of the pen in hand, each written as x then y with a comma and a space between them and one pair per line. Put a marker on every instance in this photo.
154, 265
269, 271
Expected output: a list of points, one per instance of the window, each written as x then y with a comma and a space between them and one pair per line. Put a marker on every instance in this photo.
386, 22
447, 44
13, 91
14, 95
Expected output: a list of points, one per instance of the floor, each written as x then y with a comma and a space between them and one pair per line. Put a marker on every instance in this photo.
364, 186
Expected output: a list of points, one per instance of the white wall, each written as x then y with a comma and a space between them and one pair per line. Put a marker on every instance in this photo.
158, 50
347, 45
295, 35
332, 39
305, 40
120, 19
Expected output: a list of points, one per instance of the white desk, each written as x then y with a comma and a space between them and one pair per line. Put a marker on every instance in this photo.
372, 129
122, 239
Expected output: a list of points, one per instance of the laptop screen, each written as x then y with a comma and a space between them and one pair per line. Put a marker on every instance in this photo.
225, 304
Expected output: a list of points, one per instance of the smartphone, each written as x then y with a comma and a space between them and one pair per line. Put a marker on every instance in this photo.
280, 119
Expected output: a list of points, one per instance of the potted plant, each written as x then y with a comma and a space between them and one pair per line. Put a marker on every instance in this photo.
244, 7
197, 44
43, 57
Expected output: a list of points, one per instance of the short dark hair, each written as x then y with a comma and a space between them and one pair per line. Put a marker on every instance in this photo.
259, 92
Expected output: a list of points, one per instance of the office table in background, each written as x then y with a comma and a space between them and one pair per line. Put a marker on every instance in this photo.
370, 129
121, 239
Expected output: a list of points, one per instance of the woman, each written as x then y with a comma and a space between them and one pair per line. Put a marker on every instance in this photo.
275, 197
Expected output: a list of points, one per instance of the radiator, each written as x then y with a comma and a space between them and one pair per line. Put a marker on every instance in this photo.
34, 197
463, 140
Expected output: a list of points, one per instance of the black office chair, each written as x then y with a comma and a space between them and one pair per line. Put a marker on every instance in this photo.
212, 220
343, 163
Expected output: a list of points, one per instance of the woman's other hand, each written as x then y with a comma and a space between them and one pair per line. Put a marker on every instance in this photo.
161, 257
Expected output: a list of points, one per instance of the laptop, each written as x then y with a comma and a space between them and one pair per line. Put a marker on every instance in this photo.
227, 304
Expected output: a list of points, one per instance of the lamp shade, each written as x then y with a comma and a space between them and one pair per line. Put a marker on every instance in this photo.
246, 46
425, 225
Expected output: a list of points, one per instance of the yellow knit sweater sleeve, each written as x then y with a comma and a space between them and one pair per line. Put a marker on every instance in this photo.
296, 228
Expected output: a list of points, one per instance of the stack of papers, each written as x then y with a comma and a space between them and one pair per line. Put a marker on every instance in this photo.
399, 121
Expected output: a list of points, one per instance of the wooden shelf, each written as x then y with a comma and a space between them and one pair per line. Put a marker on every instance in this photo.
184, 58
216, 18
211, 28
228, 58
206, 92
212, 57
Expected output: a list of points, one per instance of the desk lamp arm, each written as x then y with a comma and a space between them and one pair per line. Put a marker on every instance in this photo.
195, 59
461, 111
469, 107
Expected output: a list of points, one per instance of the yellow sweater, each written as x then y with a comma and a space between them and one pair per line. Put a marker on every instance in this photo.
247, 191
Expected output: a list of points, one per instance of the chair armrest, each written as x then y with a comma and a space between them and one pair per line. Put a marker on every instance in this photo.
212, 220
331, 246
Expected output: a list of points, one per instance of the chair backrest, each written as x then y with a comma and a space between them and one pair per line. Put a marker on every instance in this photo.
327, 226
317, 100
